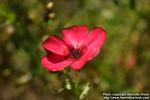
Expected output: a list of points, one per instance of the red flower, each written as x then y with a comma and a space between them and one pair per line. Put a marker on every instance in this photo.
75, 49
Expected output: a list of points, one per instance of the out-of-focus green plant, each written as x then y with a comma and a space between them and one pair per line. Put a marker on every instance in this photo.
123, 64
6, 13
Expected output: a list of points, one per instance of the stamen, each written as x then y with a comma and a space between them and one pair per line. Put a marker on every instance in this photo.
76, 53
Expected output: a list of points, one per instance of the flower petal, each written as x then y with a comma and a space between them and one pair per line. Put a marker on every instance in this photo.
75, 35
55, 45
55, 62
79, 63
94, 41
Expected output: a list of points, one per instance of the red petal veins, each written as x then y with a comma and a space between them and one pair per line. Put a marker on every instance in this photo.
94, 42
55, 62
56, 45
75, 35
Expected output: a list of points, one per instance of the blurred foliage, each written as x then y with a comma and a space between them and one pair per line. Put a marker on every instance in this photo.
122, 65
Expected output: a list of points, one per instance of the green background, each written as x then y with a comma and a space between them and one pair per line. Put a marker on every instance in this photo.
123, 64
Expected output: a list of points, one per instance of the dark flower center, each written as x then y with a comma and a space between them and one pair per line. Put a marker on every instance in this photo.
76, 53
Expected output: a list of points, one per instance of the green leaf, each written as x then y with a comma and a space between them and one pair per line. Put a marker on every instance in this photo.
85, 90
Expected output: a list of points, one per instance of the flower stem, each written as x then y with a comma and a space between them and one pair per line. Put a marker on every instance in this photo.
71, 85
